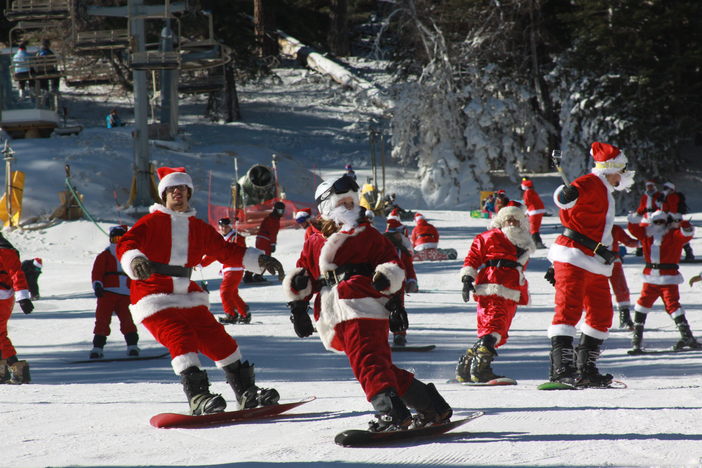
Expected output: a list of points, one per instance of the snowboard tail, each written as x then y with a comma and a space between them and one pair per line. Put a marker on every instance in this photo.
122, 359
412, 349
615, 384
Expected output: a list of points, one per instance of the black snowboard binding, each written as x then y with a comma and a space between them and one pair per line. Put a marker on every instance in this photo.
391, 413
430, 405
197, 388
240, 376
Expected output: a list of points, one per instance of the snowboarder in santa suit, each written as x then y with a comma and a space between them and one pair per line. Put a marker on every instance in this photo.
396, 232
582, 264
267, 237
32, 271
353, 270
662, 244
674, 202
111, 288
13, 287
235, 309
618, 279
424, 235
158, 254
307, 222
535, 210
494, 271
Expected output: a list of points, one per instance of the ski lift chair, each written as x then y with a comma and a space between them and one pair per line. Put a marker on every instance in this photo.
93, 41
38, 10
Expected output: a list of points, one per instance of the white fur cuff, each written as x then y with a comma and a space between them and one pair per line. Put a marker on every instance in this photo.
251, 260
290, 292
394, 273
468, 270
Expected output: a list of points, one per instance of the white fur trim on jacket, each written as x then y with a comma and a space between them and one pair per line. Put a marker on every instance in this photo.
290, 292
468, 270
633, 218
126, 261
656, 278
575, 256
251, 260
535, 212
331, 246
496, 289
559, 204
182, 362
149, 305
22, 294
394, 273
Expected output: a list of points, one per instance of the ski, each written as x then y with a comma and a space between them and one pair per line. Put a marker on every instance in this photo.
122, 359
186, 421
360, 438
412, 349
615, 384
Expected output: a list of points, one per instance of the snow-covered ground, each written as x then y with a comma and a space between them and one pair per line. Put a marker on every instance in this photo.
97, 414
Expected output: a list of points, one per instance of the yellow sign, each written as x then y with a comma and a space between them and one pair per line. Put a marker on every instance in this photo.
17, 189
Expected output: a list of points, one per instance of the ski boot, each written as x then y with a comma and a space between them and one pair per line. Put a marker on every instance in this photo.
563, 368
686, 338
483, 355
588, 374
240, 376
399, 339
391, 413
625, 318
229, 319
132, 339
430, 405
197, 389
537, 241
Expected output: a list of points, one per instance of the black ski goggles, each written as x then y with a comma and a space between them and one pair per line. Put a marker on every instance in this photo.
343, 184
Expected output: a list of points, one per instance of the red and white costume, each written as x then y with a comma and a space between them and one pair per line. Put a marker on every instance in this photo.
618, 280
534, 205
424, 235
670, 198
351, 316
651, 200
582, 277
175, 309
661, 249
232, 273
267, 235
13, 286
108, 273
499, 289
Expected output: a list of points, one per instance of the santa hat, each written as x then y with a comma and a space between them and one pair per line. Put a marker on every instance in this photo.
513, 203
509, 211
394, 225
172, 176
302, 215
38, 263
608, 159
418, 216
669, 186
657, 216
527, 184
650, 182
394, 214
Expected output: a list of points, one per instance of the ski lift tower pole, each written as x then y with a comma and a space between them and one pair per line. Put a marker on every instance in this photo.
374, 167
9, 156
169, 84
382, 163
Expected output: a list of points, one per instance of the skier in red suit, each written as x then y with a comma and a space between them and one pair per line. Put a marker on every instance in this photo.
158, 254
651, 200
266, 238
494, 270
353, 270
535, 210
13, 287
111, 288
582, 264
618, 280
662, 245
673, 203
424, 235
396, 232
235, 309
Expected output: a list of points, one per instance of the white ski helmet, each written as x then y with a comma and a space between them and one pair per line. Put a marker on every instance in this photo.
331, 191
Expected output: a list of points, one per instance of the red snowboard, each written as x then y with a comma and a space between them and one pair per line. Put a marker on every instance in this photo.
184, 421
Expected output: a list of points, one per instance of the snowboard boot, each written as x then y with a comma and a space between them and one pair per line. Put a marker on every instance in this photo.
197, 389
391, 413
483, 355
463, 366
639, 251
4, 372
240, 376
98, 344
686, 338
625, 318
588, 374
563, 368
246, 318
430, 405
248, 277
689, 256
229, 319
537, 240
637, 338
132, 338
399, 339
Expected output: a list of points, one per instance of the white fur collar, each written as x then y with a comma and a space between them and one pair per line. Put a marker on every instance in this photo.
521, 238
331, 247
162, 208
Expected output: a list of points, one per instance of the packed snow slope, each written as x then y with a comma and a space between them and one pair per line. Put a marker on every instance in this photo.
97, 414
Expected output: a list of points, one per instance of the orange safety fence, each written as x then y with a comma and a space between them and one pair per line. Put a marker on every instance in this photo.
251, 216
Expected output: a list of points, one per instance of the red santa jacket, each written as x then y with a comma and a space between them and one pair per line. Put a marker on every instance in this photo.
355, 297
671, 203
235, 238
591, 214
11, 275
180, 239
662, 248
424, 236
268, 233
650, 203
619, 236
108, 272
533, 202
507, 282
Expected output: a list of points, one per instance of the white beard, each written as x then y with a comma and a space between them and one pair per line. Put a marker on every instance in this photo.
347, 219
626, 181
520, 237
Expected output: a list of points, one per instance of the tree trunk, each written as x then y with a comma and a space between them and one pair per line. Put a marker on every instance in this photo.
338, 36
263, 21
231, 98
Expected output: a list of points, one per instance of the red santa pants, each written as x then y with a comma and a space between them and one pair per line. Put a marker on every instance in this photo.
229, 292
576, 289
191, 330
670, 294
6, 347
365, 343
495, 314
619, 286
535, 223
107, 304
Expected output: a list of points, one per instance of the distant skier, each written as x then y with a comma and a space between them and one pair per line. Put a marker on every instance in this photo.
494, 271
350, 172
353, 270
32, 270
113, 120
535, 210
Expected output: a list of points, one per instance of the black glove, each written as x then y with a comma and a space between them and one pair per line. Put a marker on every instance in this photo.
203, 285
99, 290
380, 281
398, 320
26, 306
271, 265
300, 281
467, 287
568, 194
551, 276
300, 318
272, 248
141, 266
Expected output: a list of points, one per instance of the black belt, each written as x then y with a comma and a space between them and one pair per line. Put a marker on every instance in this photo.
502, 262
115, 273
663, 266
171, 270
425, 235
596, 247
345, 272
5, 286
